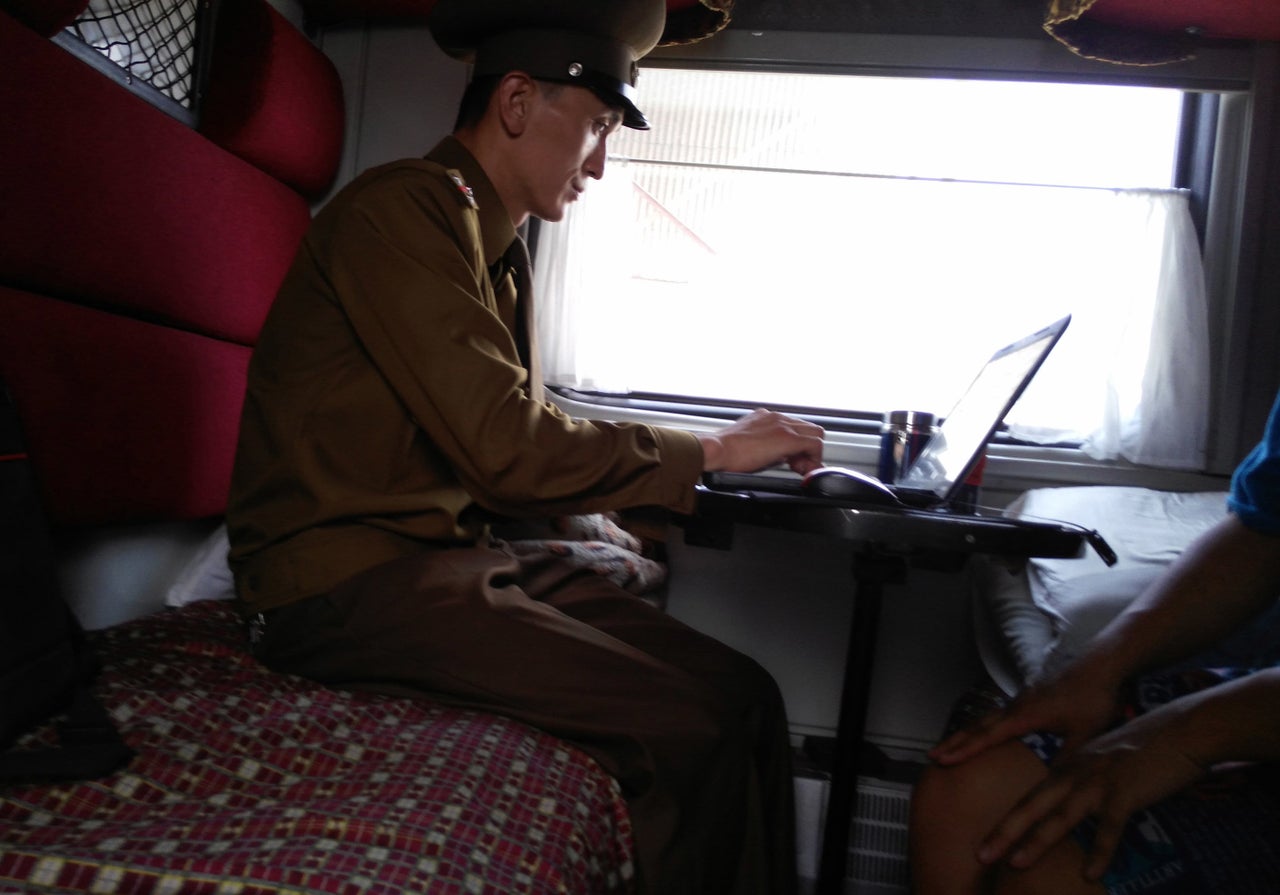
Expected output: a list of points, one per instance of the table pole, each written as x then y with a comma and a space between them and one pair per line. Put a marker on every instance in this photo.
870, 573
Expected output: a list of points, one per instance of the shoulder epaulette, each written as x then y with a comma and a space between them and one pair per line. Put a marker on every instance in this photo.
467, 194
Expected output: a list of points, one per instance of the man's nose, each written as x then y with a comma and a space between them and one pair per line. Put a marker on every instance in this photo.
595, 161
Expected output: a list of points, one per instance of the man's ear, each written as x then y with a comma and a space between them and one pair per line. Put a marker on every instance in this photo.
515, 97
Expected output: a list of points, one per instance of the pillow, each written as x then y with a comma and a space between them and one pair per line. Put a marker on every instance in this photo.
206, 576
1013, 634
594, 541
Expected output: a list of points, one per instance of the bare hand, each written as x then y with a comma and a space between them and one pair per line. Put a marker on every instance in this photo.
1108, 779
762, 439
1073, 708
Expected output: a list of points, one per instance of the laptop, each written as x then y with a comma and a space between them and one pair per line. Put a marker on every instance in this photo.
939, 471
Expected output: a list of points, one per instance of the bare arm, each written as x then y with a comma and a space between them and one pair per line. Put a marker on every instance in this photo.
1223, 579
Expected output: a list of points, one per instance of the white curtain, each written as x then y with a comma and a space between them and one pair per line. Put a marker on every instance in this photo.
1157, 414
628, 300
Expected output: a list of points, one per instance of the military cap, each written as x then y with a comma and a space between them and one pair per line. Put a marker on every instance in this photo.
590, 43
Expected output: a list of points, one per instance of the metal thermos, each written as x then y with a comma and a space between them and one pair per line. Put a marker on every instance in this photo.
903, 435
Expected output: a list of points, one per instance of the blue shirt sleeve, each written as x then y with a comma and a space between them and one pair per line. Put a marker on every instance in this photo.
1255, 486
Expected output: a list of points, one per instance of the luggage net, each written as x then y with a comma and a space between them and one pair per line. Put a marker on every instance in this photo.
153, 41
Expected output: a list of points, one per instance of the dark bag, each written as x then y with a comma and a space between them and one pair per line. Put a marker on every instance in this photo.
45, 666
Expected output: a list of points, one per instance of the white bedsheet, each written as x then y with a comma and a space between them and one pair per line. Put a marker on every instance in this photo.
1031, 618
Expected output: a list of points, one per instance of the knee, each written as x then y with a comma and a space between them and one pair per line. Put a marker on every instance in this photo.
942, 839
761, 686
740, 713
948, 792
943, 812
740, 686
985, 786
1058, 873
953, 809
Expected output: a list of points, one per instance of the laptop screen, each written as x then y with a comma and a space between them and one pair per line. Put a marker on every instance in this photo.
957, 445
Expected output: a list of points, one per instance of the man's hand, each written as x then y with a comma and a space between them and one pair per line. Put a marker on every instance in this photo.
1074, 706
1137, 764
1108, 779
762, 439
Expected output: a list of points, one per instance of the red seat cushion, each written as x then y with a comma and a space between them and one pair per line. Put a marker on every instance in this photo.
46, 17
137, 262
687, 20
273, 98
124, 420
1248, 19
111, 202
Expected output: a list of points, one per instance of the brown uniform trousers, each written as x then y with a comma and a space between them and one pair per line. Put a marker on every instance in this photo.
694, 731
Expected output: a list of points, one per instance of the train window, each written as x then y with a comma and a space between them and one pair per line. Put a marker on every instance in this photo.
863, 243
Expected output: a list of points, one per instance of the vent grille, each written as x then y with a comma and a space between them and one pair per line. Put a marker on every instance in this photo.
878, 846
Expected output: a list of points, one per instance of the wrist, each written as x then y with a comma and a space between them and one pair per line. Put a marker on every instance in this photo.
712, 453
1098, 671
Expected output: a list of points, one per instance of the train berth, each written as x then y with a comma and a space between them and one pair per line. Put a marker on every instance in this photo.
139, 253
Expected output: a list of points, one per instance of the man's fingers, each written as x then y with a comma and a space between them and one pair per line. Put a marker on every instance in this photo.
1038, 822
964, 744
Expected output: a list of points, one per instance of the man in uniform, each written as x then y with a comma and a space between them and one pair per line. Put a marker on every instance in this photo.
394, 406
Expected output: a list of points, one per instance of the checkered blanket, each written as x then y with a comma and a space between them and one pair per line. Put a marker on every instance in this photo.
247, 781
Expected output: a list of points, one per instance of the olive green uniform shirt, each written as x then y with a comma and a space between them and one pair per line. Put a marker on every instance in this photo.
387, 401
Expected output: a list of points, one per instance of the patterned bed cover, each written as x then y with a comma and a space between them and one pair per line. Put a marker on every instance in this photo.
250, 782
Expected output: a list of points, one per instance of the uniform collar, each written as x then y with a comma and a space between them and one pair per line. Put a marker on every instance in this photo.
496, 229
